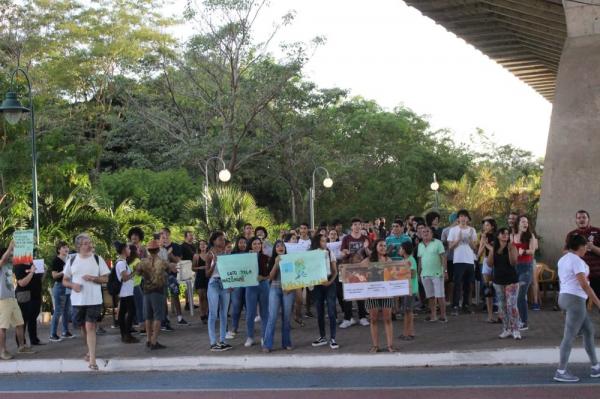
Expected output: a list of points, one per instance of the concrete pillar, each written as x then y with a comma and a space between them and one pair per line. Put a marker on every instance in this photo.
571, 179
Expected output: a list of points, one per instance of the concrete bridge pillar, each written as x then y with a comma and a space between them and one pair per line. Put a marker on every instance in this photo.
571, 179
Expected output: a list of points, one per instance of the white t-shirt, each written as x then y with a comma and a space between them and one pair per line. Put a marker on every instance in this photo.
568, 267
463, 253
127, 286
91, 293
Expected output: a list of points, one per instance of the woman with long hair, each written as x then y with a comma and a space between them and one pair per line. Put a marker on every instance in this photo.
384, 305
133, 260
575, 290
326, 292
238, 295
278, 299
201, 282
526, 244
218, 297
502, 259
61, 297
488, 236
258, 294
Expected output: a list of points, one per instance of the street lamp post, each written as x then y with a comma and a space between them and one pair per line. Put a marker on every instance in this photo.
224, 176
327, 183
435, 186
13, 111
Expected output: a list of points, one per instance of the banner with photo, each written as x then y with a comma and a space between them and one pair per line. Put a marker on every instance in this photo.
303, 269
23, 252
238, 270
377, 280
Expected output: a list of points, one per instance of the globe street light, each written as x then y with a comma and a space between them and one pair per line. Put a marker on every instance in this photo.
13, 112
435, 186
327, 183
224, 176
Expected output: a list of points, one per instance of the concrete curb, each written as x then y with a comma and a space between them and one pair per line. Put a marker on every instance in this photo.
274, 361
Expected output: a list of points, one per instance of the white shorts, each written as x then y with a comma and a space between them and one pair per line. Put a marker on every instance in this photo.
434, 286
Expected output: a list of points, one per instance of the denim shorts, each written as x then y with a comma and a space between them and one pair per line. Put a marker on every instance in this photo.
86, 313
154, 306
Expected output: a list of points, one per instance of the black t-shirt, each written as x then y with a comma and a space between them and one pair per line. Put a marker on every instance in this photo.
187, 251
503, 272
58, 266
35, 285
176, 252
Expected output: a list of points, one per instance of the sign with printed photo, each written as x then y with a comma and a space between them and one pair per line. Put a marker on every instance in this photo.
23, 252
377, 280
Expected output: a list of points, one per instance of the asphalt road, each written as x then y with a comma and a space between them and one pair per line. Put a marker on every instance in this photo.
415, 383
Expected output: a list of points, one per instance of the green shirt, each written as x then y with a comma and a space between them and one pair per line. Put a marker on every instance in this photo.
396, 241
431, 263
414, 282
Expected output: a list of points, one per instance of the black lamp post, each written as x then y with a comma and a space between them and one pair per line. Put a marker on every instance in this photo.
13, 111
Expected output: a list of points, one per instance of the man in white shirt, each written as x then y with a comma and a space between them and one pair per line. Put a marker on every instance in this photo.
462, 240
84, 274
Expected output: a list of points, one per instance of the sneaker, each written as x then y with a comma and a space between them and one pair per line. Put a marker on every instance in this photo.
5, 355
25, 350
517, 335
454, 311
68, 335
595, 372
429, 318
224, 346
523, 327
309, 315
346, 324
167, 328
142, 332
216, 348
157, 346
129, 340
333, 344
257, 319
536, 306
504, 334
54, 338
182, 322
230, 335
565, 377
467, 310
319, 342
114, 326
443, 320
100, 331
364, 322
249, 342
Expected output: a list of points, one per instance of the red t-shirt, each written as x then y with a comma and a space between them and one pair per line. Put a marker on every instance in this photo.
593, 260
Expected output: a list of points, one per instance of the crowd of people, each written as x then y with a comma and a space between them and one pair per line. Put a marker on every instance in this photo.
445, 265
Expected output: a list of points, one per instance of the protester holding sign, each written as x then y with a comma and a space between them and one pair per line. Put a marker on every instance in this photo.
238, 294
407, 301
278, 299
84, 274
374, 306
258, 294
218, 297
326, 292
354, 245
10, 314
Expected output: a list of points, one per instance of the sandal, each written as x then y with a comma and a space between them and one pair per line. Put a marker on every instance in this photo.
391, 349
86, 357
374, 349
300, 322
93, 367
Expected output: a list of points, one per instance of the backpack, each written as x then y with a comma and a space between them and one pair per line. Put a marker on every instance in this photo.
114, 285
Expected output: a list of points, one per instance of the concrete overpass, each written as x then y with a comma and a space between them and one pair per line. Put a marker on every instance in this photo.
553, 46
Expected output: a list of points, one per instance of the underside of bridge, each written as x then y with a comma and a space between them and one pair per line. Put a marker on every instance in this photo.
524, 36
554, 47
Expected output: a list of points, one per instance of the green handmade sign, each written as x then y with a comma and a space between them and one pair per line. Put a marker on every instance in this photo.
238, 270
303, 269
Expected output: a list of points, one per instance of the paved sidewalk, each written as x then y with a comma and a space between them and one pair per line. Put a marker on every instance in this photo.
461, 334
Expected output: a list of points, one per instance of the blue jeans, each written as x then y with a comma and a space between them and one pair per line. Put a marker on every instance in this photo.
62, 307
322, 294
278, 299
218, 303
525, 273
138, 297
257, 295
238, 295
